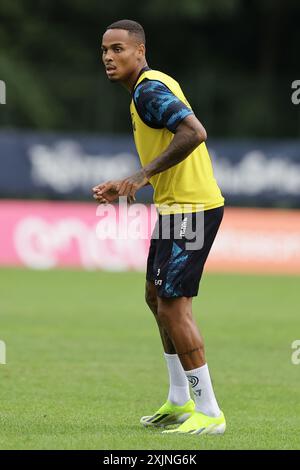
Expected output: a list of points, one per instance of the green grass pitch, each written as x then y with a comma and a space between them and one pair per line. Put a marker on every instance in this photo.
84, 361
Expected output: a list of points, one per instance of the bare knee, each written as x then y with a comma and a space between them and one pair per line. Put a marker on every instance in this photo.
151, 296
171, 310
175, 314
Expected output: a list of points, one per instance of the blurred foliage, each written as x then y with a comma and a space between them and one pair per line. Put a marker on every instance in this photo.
191, 9
235, 60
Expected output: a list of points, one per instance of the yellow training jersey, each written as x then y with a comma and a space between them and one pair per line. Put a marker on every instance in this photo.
190, 182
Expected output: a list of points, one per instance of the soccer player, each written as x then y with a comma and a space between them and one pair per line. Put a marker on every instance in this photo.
170, 142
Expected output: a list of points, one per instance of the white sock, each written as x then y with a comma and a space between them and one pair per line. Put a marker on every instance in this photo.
179, 392
204, 396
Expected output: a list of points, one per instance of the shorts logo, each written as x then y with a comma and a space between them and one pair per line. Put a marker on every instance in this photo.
158, 282
183, 227
193, 380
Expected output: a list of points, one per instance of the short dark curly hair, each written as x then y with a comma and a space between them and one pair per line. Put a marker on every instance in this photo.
132, 27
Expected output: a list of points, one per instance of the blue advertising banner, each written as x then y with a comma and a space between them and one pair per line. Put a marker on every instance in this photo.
66, 166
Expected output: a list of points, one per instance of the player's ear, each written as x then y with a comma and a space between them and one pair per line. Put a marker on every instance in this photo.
141, 50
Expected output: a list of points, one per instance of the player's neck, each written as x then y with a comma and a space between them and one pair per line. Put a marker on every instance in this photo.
131, 81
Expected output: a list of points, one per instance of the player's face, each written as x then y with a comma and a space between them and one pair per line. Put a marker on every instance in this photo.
121, 54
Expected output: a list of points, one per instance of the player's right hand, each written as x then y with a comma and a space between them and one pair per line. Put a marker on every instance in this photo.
109, 192
106, 192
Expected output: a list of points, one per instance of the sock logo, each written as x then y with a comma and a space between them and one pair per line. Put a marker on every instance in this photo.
193, 380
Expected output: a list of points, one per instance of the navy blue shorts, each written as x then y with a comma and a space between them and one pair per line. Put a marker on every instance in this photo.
179, 247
